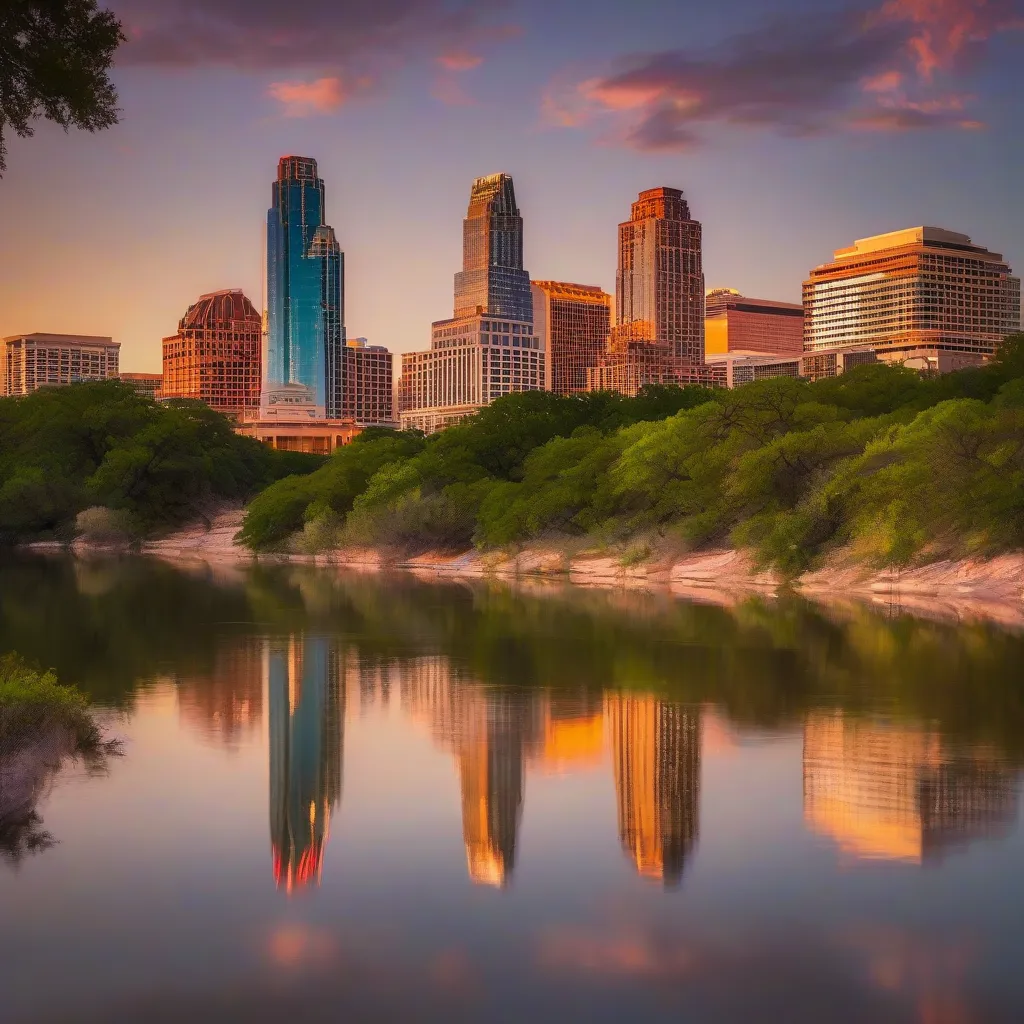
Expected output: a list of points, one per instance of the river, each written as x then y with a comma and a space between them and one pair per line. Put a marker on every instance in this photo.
374, 798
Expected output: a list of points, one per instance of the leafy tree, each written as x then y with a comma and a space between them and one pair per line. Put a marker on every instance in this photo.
54, 60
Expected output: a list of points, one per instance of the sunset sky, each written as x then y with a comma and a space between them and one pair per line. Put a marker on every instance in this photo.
793, 127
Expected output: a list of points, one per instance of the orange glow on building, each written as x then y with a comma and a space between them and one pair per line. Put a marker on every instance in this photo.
216, 355
148, 384
734, 323
574, 321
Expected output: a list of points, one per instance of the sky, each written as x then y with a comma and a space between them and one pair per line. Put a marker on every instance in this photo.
794, 127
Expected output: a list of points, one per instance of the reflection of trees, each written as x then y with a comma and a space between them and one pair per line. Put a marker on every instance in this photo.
306, 698
900, 791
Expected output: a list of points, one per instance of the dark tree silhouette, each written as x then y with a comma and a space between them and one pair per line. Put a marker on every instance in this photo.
54, 59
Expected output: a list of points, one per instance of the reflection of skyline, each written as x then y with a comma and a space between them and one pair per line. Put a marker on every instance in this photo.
895, 791
656, 757
305, 699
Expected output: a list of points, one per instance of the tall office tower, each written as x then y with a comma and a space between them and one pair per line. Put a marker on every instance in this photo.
215, 356
656, 754
305, 288
307, 716
734, 323
492, 279
884, 790
367, 392
32, 361
489, 348
574, 320
923, 296
658, 336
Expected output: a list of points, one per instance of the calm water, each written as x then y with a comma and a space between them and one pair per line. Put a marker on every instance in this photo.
347, 798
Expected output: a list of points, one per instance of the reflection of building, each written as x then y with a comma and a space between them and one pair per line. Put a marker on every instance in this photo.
215, 356
924, 296
656, 754
489, 348
32, 361
574, 320
228, 702
570, 734
897, 792
734, 323
306, 720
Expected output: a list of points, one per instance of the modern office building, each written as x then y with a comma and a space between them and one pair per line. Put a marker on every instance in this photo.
367, 385
658, 336
489, 348
735, 323
305, 287
32, 361
925, 297
148, 384
574, 320
215, 356
656, 756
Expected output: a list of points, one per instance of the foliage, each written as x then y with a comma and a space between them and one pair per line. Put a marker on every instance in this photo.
65, 450
55, 56
99, 525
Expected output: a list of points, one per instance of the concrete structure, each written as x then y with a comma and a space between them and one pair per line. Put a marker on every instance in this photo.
734, 323
32, 361
367, 394
288, 419
489, 348
148, 384
925, 297
659, 298
574, 320
733, 369
215, 356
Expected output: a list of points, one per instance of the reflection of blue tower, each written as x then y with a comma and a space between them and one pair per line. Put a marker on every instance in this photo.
305, 286
305, 756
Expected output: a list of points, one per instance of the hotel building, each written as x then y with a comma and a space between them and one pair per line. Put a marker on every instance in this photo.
658, 336
32, 361
925, 297
489, 348
734, 323
215, 356
574, 320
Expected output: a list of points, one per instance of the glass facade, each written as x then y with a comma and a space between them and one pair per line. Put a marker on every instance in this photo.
305, 286
574, 320
492, 279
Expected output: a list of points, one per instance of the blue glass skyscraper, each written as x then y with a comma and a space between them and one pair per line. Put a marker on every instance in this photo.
305, 286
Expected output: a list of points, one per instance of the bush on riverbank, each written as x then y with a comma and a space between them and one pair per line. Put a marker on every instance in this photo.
64, 450
880, 460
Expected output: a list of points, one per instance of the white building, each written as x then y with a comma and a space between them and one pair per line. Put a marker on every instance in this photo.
32, 361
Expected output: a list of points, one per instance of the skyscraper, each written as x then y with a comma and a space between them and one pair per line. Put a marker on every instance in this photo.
305, 287
923, 296
492, 279
574, 320
489, 348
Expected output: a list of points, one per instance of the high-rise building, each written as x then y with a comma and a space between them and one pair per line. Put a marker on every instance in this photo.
367, 392
148, 384
215, 356
32, 361
734, 323
574, 320
658, 336
924, 296
305, 287
306, 704
492, 279
656, 753
489, 348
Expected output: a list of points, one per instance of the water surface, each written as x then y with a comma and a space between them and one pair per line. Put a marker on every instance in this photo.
374, 798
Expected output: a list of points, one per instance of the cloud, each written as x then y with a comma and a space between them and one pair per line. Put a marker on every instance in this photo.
460, 61
854, 68
322, 96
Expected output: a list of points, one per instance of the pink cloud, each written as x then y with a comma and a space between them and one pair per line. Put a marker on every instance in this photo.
307, 99
460, 61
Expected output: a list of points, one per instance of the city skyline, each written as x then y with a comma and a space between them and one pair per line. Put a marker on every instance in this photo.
579, 130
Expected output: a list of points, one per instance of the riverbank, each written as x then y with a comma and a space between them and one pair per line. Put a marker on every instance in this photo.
968, 588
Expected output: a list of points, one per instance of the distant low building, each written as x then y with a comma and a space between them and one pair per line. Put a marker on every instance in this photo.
733, 369
32, 361
735, 323
148, 384
289, 419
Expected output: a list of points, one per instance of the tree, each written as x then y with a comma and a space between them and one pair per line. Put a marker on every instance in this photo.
54, 59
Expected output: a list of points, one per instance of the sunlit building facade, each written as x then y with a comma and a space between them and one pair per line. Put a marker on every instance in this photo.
925, 297
574, 320
148, 384
32, 361
215, 356
734, 323
306, 705
490, 347
305, 287
367, 385
656, 749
